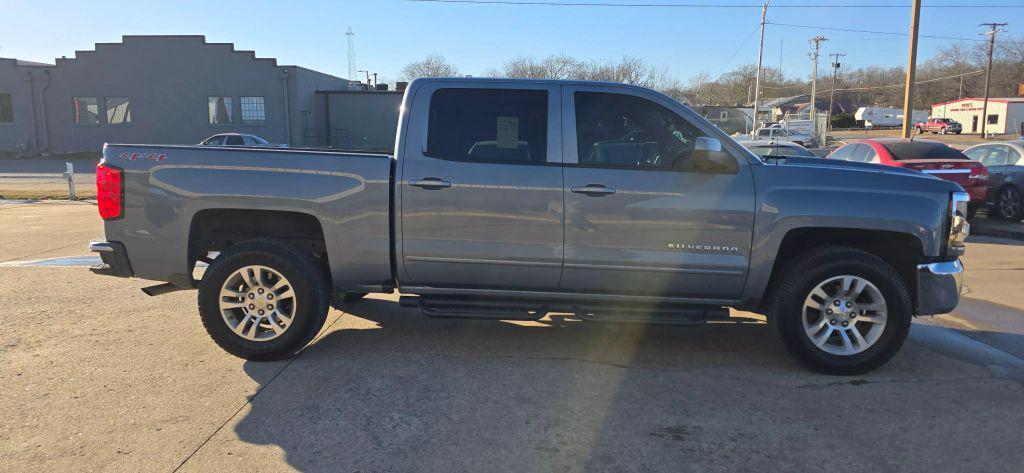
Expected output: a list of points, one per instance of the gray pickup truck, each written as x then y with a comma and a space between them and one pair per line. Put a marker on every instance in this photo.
512, 199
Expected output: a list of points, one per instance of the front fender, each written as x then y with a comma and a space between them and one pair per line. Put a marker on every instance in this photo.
798, 197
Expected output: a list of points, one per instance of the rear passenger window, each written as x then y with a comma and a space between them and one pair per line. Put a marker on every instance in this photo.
234, 140
872, 156
1012, 156
488, 125
996, 156
843, 152
861, 153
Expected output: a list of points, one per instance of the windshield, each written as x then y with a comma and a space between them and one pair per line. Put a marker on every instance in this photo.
903, 150
781, 150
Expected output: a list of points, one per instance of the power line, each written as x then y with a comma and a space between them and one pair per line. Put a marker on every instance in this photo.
729, 61
699, 5
851, 30
854, 89
876, 87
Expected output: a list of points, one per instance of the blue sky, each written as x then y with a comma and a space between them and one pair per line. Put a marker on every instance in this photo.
391, 33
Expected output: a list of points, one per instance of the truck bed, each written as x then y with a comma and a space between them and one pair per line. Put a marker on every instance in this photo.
167, 187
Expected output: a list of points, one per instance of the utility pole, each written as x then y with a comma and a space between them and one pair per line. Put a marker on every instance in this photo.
781, 75
832, 93
351, 53
908, 92
988, 71
367, 79
757, 78
817, 40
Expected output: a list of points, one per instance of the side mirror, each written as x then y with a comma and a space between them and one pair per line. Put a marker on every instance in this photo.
704, 143
709, 157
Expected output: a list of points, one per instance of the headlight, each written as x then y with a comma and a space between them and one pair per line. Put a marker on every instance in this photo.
958, 226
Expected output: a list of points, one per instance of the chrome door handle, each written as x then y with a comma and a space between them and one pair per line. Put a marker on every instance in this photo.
430, 183
593, 190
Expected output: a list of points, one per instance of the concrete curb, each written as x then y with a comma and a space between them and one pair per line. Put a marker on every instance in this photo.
998, 233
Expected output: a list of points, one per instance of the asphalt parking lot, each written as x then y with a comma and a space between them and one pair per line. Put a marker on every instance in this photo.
96, 376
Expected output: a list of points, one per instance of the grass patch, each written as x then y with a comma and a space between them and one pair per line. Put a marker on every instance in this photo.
78, 155
45, 195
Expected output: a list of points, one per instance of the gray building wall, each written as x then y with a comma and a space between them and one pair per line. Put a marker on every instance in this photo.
307, 108
168, 80
362, 119
20, 82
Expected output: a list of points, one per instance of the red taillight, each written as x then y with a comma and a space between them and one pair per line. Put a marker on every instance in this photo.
978, 174
109, 191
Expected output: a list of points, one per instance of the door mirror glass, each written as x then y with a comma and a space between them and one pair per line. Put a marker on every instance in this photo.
703, 143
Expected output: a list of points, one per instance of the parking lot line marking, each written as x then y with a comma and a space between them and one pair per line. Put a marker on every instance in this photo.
46, 251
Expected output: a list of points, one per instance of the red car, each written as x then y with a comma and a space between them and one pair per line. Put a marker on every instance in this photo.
927, 156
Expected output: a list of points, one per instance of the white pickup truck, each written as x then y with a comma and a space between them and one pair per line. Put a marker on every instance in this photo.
779, 133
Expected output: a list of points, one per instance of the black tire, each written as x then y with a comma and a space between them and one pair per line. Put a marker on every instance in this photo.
309, 283
803, 273
919, 130
1002, 210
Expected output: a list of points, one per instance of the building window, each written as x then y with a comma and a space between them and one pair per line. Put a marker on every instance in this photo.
993, 119
87, 110
220, 110
253, 110
119, 110
6, 109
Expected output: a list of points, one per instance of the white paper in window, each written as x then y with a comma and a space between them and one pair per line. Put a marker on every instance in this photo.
507, 133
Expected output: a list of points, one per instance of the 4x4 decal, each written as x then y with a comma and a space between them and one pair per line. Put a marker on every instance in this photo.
135, 156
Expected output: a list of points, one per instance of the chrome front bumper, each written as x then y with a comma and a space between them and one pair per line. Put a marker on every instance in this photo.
939, 286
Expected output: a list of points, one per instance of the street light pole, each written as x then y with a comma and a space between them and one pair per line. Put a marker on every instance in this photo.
988, 71
757, 77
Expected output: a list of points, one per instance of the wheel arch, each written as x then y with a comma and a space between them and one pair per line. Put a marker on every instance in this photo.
903, 251
217, 229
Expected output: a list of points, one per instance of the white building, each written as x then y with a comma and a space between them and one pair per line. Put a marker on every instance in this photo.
881, 116
1004, 115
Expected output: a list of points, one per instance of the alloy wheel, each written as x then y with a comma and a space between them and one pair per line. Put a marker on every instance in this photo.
1009, 203
257, 303
844, 315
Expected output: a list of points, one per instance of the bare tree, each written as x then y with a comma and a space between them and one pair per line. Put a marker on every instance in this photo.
435, 65
871, 85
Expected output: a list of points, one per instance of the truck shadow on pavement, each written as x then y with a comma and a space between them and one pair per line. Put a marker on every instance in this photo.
396, 391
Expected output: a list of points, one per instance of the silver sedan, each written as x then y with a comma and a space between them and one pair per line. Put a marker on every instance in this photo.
1006, 182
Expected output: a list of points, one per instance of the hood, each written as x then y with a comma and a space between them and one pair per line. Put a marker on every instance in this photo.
850, 165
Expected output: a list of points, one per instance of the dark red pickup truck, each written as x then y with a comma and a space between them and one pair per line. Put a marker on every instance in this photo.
939, 125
